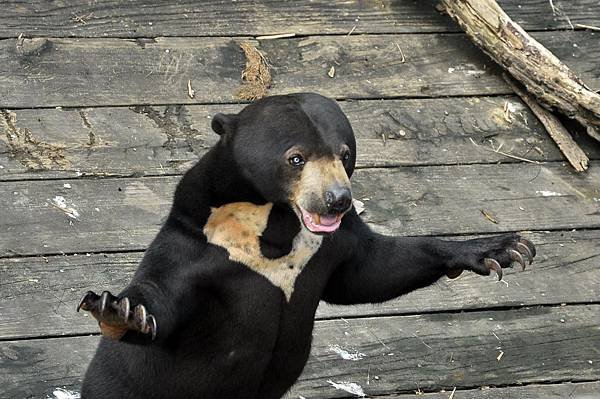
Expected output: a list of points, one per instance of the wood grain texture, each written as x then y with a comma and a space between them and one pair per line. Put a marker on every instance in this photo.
125, 213
582, 390
406, 353
52, 72
450, 199
211, 18
40, 293
159, 140
145, 18
433, 352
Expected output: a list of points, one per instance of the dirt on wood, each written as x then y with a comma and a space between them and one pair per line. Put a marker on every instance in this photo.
31, 152
256, 76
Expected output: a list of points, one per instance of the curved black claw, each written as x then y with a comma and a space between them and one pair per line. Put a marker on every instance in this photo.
524, 249
153, 327
86, 299
144, 322
529, 245
116, 316
516, 257
104, 302
140, 318
493, 264
482, 255
124, 307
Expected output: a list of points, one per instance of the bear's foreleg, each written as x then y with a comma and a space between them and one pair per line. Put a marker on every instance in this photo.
378, 268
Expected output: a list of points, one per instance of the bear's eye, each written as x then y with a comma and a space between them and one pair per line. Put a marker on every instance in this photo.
296, 160
346, 156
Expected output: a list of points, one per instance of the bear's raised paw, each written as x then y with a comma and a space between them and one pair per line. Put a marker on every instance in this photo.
115, 315
482, 255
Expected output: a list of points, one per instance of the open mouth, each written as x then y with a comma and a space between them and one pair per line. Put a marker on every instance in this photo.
318, 223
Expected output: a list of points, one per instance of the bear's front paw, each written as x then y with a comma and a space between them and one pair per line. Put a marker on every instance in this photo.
115, 315
482, 255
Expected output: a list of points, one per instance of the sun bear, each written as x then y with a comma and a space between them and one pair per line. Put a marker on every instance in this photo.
261, 229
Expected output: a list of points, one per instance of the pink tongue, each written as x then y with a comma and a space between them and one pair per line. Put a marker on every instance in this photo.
328, 224
328, 220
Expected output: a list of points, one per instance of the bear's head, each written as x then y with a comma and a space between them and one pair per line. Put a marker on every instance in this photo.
297, 149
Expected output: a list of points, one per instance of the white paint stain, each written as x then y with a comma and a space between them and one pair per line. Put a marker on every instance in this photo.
61, 393
350, 387
467, 69
545, 193
61, 203
344, 354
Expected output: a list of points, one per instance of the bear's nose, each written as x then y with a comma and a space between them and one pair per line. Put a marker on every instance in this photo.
338, 199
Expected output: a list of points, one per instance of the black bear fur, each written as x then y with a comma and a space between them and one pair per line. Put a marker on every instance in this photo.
195, 323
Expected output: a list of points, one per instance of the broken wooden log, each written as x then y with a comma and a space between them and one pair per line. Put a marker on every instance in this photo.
554, 127
540, 71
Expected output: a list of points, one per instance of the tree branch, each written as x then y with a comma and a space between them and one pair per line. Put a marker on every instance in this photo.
530, 63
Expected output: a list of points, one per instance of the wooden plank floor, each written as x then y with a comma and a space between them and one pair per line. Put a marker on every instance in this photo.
94, 109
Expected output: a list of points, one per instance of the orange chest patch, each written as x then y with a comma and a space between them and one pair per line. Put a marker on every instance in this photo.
237, 228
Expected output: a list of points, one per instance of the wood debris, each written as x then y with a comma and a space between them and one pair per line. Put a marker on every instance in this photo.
81, 18
256, 76
499, 356
331, 72
589, 27
497, 151
277, 36
489, 216
191, 91
403, 59
509, 110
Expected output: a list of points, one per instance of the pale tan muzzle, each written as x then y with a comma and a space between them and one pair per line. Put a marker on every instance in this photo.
317, 177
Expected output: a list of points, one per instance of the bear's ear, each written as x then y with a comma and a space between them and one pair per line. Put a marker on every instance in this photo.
224, 123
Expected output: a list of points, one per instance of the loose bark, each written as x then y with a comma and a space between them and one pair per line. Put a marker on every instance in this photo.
555, 129
540, 71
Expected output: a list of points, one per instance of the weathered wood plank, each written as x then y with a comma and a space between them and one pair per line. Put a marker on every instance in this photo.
406, 353
582, 390
36, 368
90, 72
40, 294
245, 17
125, 213
150, 141
433, 352
450, 199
